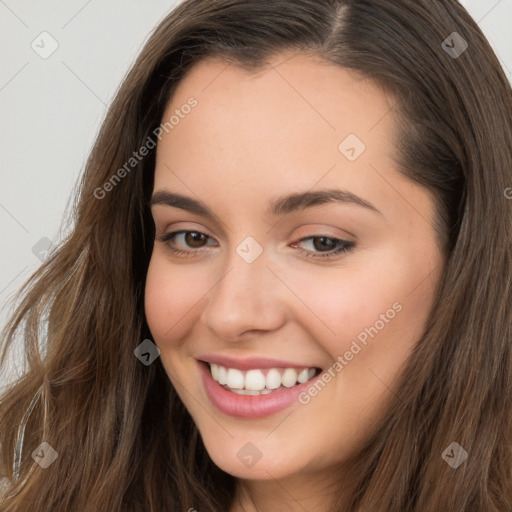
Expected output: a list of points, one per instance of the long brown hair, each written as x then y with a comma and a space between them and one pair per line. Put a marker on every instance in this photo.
123, 437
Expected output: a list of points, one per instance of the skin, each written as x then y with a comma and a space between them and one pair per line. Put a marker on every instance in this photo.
251, 138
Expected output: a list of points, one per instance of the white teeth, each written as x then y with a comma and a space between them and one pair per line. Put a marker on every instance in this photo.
215, 371
223, 375
235, 379
303, 376
273, 380
289, 377
255, 382
245, 392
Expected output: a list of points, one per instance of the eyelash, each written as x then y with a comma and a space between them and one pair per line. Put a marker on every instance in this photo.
345, 246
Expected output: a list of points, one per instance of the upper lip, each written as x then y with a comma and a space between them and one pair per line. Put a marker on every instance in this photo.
251, 363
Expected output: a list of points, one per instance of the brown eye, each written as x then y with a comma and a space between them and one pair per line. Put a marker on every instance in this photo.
195, 239
192, 242
323, 243
325, 247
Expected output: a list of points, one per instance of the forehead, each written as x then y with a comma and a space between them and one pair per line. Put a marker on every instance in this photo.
326, 97
254, 136
293, 113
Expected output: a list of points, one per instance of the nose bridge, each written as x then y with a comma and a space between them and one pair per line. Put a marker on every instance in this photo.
246, 295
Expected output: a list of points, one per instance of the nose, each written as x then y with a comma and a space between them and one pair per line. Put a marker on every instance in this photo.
247, 297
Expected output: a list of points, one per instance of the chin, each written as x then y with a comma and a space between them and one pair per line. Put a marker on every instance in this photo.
252, 460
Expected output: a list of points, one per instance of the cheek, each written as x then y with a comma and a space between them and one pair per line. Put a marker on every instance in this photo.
171, 294
338, 303
383, 301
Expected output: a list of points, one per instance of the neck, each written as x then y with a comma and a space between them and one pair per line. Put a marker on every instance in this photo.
294, 494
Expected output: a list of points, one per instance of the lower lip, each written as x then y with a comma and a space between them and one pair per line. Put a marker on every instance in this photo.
250, 406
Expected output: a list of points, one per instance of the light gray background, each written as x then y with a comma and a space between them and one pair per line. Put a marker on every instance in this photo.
51, 109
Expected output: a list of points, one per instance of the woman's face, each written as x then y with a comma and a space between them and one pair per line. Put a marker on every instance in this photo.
305, 255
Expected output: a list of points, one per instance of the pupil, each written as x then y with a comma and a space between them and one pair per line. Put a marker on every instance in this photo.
194, 238
324, 241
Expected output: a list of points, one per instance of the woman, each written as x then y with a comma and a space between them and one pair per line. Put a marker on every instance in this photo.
288, 282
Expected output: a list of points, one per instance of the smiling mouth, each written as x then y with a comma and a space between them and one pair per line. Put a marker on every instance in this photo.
263, 381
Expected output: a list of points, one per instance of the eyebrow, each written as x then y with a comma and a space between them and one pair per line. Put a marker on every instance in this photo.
278, 207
